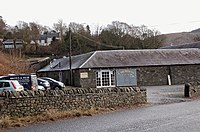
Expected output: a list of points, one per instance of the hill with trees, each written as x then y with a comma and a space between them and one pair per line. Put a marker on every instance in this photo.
181, 38
84, 38
117, 35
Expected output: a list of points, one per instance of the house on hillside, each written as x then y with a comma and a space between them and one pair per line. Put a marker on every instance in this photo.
11, 43
47, 38
118, 68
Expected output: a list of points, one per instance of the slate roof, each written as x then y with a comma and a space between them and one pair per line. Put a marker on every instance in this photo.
49, 35
127, 58
182, 46
10, 41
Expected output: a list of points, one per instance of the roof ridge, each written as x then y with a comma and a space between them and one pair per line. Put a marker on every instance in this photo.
88, 59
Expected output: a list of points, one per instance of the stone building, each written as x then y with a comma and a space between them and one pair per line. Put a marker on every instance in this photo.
118, 68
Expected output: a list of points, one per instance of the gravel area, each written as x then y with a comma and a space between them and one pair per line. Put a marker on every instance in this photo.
165, 94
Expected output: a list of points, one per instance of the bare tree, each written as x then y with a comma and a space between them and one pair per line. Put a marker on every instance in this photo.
35, 33
76, 27
98, 29
119, 28
24, 31
2, 27
60, 27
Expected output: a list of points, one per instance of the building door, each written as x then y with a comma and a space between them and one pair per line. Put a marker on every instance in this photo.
105, 78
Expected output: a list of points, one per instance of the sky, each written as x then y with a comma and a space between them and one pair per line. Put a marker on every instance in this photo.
166, 16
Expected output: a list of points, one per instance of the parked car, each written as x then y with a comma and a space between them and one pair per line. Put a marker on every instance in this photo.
54, 84
10, 85
28, 81
44, 83
41, 87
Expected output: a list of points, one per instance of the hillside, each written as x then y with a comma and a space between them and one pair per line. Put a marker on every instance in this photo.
180, 38
12, 65
196, 30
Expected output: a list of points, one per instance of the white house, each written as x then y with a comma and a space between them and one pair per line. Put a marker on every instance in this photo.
9, 43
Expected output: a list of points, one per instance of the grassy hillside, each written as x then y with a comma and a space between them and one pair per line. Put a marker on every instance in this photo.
180, 38
13, 65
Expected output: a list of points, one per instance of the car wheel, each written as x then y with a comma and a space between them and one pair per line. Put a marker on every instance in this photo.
57, 88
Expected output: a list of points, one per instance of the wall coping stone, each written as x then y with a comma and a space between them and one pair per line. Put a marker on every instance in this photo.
69, 91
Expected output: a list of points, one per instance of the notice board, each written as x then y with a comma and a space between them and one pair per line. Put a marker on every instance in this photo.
126, 77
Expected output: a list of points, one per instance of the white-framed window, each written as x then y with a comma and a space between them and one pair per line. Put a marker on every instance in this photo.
105, 78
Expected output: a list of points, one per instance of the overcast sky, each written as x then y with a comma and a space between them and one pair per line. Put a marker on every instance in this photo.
167, 16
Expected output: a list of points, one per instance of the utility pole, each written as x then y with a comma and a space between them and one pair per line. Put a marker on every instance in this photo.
70, 56
14, 46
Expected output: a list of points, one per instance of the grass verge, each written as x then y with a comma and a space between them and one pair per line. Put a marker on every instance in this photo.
50, 115
53, 115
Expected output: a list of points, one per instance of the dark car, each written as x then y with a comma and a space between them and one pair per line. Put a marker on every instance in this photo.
54, 84
43, 83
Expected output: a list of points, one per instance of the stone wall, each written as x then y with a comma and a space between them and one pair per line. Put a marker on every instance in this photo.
32, 103
185, 73
158, 75
90, 81
193, 88
152, 76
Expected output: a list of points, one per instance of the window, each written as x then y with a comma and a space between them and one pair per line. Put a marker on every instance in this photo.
1, 84
105, 78
98, 79
112, 78
6, 84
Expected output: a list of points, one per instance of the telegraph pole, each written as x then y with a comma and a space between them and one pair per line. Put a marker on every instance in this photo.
70, 56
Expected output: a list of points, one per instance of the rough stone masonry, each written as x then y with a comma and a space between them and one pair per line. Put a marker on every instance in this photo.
192, 89
25, 103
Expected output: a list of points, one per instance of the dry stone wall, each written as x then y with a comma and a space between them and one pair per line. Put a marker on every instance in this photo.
35, 102
192, 89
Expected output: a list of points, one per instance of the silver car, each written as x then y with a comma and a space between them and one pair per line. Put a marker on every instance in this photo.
10, 85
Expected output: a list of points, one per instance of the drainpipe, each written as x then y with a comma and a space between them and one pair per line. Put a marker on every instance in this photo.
70, 58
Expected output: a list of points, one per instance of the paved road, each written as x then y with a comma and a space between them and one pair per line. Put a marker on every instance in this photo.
178, 116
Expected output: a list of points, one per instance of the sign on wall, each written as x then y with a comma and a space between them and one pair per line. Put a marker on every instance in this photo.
126, 77
84, 75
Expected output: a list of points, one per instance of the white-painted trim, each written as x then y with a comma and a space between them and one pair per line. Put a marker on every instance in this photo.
88, 59
169, 80
110, 72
